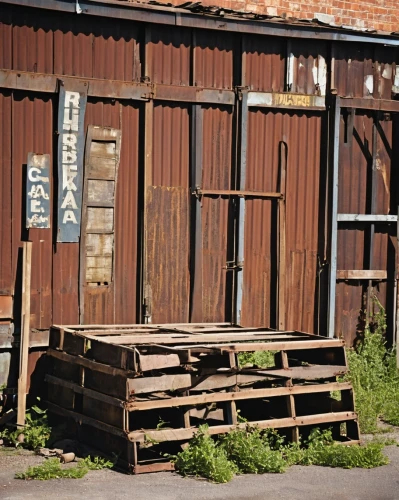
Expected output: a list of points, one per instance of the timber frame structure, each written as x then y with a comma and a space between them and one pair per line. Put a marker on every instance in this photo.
233, 133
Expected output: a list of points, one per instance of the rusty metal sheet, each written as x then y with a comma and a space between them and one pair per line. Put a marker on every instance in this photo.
116, 51
169, 60
6, 280
168, 273
301, 133
73, 44
356, 150
264, 68
307, 61
6, 305
213, 59
353, 73
32, 41
216, 166
127, 233
32, 128
6, 40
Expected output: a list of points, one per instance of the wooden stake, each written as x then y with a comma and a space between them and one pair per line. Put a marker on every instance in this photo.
25, 331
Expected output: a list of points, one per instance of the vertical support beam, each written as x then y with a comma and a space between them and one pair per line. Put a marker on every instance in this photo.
25, 331
196, 183
283, 155
373, 207
334, 223
290, 399
241, 206
231, 408
148, 146
396, 330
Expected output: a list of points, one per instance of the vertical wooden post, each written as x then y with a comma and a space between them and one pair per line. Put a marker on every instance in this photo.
290, 399
282, 236
25, 331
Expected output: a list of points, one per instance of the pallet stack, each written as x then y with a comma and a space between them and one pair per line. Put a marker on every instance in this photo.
141, 391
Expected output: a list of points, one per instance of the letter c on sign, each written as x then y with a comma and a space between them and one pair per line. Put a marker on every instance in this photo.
31, 171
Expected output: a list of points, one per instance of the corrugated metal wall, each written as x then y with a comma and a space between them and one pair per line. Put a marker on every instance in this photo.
65, 44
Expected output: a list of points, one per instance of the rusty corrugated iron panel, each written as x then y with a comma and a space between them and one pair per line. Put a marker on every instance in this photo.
32, 129
216, 171
213, 59
6, 282
355, 173
65, 283
32, 41
168, 241
116, 54
168, 207
309, 67
170, 55
301, 133
353, 70
6, 40
73, 45
171, 145
126, 218
264, 63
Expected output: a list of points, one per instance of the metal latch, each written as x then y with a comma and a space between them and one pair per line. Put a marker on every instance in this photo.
232, 265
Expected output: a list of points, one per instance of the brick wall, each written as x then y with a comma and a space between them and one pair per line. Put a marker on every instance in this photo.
376, 14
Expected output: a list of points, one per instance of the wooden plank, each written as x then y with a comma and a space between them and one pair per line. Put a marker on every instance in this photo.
282, 258
90, 364
242, 193
276, 423
25, 331
100, 190
283, 346
307, 372
158, 361
366, 218
100, 220
157, 467
176, 338
159, 384
362, 274
236, 396
290, 399
99, 269
83, 390
99, 244
78, 417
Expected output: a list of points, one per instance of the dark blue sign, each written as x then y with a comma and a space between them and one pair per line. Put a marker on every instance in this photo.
38, 191
71, 114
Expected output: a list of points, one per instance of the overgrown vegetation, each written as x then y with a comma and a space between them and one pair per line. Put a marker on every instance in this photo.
52, 469
373, 373
34, 435
251, 450
261, 359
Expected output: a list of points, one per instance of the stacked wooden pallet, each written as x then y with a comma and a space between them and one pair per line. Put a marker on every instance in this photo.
142, 390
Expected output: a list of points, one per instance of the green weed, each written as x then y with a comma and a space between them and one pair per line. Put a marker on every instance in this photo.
251, 454
36, 431
261, 359
204, 458
52, 469
374, 376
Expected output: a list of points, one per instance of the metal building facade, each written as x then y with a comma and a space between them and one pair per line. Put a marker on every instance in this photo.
196, 232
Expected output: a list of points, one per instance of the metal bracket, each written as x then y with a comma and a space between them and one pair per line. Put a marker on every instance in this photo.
233, 266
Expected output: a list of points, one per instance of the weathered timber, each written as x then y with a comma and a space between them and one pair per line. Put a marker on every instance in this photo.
276, 423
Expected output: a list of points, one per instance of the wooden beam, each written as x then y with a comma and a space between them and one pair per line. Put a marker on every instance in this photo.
362, 275
276, 423
25, 331
236, 396
159, 384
